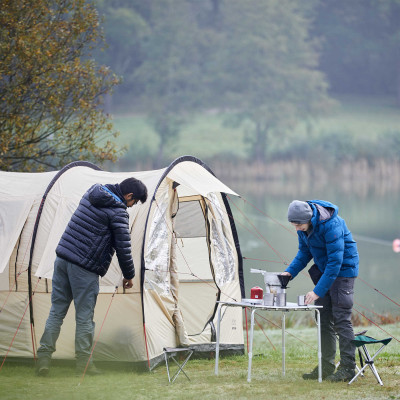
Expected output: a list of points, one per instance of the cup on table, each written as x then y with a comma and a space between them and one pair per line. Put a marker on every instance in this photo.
301, 300
268, 299
280, 299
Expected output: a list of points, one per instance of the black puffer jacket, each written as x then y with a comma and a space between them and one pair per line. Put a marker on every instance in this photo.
98, 227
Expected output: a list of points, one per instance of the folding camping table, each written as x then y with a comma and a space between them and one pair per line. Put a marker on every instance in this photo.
260, 307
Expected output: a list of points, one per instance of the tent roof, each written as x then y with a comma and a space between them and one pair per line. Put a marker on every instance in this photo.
19, 191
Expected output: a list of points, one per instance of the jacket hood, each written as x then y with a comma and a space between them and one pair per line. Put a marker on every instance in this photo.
315, 204
105, 196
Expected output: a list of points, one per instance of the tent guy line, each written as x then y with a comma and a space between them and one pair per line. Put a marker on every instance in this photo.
98, 336
280, 327
12, 288
377, 325
19, 325
283, 258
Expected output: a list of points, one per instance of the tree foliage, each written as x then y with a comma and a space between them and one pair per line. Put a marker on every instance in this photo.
254, 57
360, 47
126, 24
50, 90
271, 79
170, 72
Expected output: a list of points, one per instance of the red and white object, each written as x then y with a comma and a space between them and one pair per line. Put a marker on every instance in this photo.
396, 245
256, 293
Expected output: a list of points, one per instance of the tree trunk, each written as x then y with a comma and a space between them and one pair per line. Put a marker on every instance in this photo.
160, 154
260, 144
398, 79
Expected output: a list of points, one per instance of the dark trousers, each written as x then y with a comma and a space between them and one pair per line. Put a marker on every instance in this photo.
336, 322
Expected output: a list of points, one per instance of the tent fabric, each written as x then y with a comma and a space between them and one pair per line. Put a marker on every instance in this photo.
34, 211
18, 192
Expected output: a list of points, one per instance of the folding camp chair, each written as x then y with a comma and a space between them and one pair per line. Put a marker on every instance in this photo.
171, 352
361, 342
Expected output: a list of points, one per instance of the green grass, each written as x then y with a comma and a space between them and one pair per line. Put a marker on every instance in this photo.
362, 117
194, 138
20, 382
205, 136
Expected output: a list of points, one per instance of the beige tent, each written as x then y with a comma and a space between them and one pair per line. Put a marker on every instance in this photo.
131, 325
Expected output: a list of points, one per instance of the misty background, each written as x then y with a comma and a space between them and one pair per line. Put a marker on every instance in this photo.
282, 99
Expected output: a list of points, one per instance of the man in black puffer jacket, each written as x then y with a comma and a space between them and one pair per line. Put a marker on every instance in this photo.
98, 228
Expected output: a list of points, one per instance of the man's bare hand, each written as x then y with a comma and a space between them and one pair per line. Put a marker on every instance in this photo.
311, 297
127, 283
286, 273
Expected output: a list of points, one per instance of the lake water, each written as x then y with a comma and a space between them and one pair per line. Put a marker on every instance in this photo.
371, 211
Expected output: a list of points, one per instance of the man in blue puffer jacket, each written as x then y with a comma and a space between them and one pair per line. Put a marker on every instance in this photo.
324, 237
98, 228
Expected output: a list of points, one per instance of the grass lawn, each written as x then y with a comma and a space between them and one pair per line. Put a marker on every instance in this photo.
195, 137
20, 382
205, 136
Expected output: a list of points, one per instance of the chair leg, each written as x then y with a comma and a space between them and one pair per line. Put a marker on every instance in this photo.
361, 362
371, 364
369, 361
166, 363
360, 372
180, 366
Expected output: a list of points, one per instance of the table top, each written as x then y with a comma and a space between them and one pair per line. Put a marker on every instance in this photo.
289, 306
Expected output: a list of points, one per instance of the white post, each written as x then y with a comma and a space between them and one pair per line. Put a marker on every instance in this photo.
319, 346
283, 343
253, 310
217, 344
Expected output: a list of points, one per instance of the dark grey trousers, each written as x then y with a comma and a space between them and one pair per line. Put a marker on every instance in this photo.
336, 322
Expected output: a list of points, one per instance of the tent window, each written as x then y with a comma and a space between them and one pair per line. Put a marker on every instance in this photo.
190, 221
223, 252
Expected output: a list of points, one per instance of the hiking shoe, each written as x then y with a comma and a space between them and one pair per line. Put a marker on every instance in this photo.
342, 375
91, 370
43, 366
326, 371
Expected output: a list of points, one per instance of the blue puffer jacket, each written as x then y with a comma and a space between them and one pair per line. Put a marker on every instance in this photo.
330, 244
98, 228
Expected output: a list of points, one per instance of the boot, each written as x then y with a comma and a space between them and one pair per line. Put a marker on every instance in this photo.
91, 369
327, 370
43, 366
342, 374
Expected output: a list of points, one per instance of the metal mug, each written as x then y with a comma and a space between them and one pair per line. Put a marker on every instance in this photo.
268, 299
301, 300
280, 300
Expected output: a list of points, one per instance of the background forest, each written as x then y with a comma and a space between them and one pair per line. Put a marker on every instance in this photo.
295, 85
256, 82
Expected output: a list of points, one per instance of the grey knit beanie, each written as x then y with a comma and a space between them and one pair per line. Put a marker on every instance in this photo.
299, 212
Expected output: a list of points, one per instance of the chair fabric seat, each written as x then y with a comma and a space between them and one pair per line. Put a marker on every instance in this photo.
362, 339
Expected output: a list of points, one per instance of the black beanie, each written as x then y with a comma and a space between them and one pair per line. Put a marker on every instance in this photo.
134, 186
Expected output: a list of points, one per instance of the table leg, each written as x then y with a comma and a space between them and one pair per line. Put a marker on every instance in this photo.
283, 343
217, 344
319, 346
251, 345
